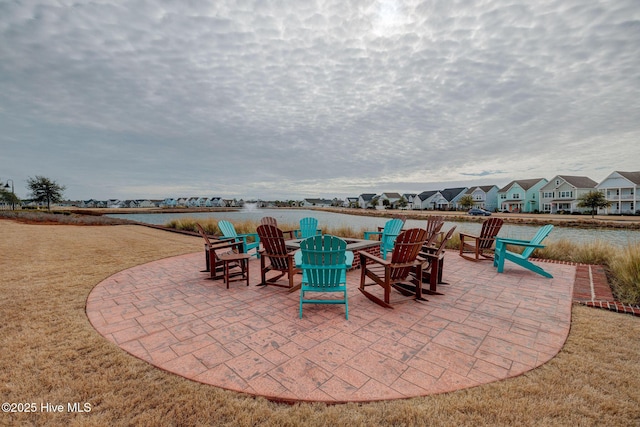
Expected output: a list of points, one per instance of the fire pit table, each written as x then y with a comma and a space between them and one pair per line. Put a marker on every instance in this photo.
354, 245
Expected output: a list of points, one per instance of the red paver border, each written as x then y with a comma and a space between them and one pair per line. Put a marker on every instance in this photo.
591, 288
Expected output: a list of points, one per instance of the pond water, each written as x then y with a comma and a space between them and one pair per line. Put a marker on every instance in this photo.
620, 237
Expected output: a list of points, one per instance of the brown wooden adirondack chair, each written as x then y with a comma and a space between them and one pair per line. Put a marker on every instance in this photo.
269, 220
434, 225
433, 257
280, 259
392, 272
478, 245
214, 249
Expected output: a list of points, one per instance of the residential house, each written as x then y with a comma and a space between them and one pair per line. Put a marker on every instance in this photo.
521, 195
561, 194
146, 203
317, 203
169, 202
621, 190
216, 202
408, 200
485, 197
350, 202
427, 200
193, 202
389, 199
365, 200
451, 195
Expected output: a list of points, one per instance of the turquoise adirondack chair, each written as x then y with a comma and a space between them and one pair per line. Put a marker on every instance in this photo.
388, 235
228, 230
501, 253
324, 261
308, 228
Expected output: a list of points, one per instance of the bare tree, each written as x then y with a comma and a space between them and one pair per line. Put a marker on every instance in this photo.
45, 190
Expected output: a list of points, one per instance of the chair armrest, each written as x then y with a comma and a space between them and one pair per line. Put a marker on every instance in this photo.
511, 241
373, 258
348, 258
368, 234
291, 233
468, 235
254, 235
297, 257
227, 244
515, 242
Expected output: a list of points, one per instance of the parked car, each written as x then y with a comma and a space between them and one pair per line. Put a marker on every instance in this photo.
478, 211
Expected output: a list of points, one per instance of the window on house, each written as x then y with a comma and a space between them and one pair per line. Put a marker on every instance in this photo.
516, 195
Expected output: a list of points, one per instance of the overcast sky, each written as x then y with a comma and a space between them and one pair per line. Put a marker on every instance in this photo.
293, 99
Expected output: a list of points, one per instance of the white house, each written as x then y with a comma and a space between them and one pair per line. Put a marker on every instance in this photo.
216, 202
146, 203
428, 200
317, 203
621, 190
350, 202
451, 195
388, 199
484, 196
561, 193
365, 199
408, 198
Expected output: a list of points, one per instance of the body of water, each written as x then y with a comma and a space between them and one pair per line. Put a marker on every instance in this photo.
619, 237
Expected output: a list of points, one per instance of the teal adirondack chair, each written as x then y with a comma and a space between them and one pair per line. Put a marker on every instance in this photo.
324, 261
308, 228
502, 254
388, 235
228, 230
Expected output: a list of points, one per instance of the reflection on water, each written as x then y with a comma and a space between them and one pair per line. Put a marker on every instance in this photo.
335, 220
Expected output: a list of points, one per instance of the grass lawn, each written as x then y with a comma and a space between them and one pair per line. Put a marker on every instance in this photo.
51, 354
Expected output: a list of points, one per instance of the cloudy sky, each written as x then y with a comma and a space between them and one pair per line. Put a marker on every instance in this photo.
291, 99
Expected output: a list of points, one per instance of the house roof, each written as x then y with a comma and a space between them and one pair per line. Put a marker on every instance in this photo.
426, 194
485, 188
392, 195
367, 196
451, 193
631, 176
525, 184
579, 181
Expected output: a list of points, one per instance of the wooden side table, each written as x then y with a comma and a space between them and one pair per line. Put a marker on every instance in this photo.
242, 260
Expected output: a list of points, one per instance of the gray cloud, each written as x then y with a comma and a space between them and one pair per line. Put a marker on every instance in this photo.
327, 98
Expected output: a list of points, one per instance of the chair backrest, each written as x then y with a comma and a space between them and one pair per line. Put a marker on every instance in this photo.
323, 260
308, 227
390, 232
203, 234
440, 248
269, 220
227, 229
273, 245
490, 229
537, 239
434, 224
407, 248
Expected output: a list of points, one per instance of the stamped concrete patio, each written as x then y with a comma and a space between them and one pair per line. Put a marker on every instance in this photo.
486, 327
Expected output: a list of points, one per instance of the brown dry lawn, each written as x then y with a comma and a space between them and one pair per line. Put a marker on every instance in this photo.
51, 353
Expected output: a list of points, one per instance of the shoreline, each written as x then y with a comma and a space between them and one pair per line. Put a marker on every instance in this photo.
570, 221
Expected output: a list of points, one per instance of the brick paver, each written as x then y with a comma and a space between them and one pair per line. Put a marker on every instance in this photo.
486, 327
